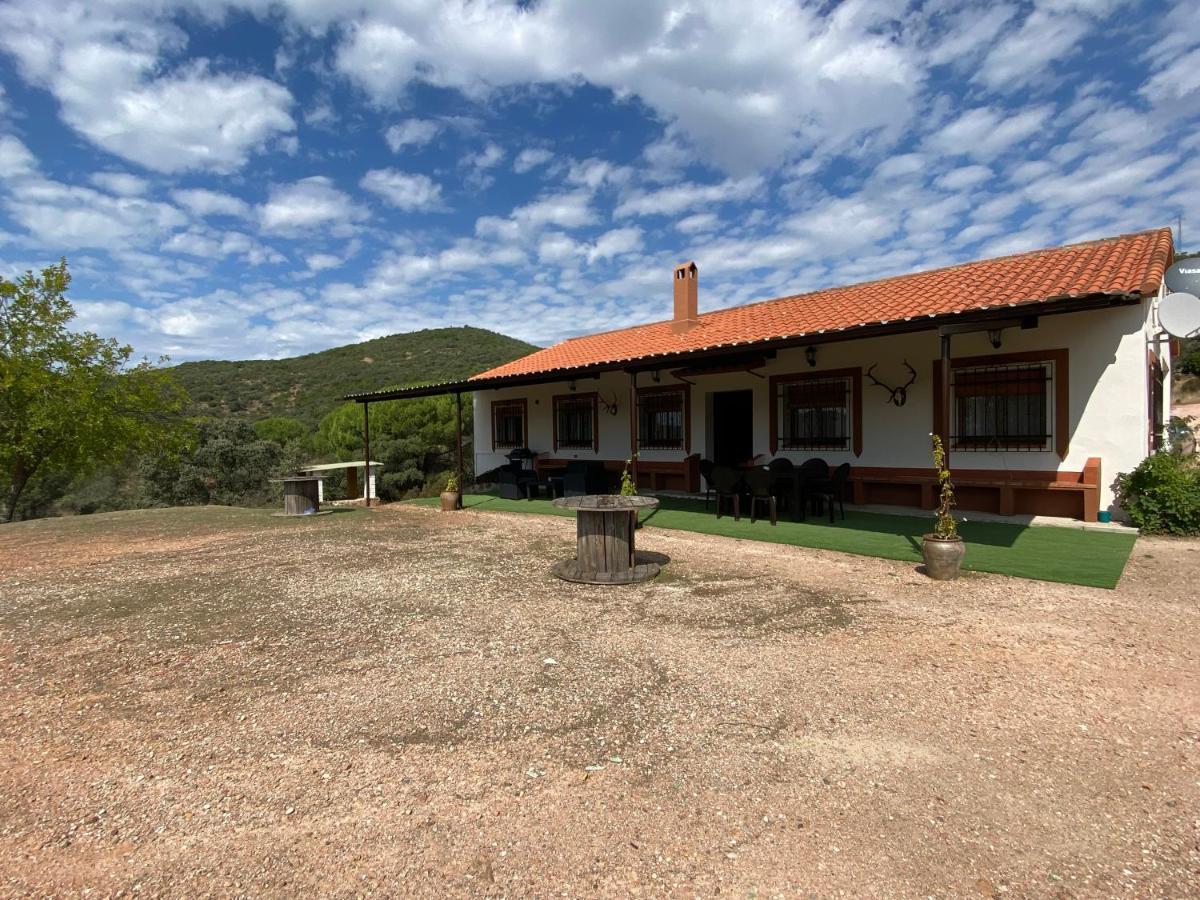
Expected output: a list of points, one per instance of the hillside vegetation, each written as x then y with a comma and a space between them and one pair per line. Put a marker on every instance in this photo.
307, 387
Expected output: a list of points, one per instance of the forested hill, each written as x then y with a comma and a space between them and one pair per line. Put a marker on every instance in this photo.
307, 387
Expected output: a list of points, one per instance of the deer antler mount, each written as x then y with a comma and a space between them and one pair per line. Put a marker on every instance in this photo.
899, 395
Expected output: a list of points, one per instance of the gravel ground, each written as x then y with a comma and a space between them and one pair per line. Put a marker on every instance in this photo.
401, 701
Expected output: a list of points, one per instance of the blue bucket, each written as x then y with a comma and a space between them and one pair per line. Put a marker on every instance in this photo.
1105, 516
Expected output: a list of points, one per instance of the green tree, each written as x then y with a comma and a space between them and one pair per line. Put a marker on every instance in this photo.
283, 430
227, 464
70, 401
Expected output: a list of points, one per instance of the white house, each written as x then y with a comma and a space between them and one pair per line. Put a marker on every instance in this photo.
1043, 371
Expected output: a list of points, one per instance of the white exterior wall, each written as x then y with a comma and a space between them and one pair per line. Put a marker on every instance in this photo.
1108, 413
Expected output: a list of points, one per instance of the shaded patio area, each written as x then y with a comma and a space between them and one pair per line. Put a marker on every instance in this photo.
1066, 555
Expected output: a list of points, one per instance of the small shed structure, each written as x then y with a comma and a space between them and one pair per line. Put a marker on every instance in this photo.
360, 478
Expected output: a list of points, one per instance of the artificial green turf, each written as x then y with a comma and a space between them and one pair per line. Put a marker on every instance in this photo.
1068, 555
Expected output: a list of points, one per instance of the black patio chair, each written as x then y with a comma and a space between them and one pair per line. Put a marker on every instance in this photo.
727, 483
584, 476
761, 484
706, 472
811, 471
833, 488
786, 486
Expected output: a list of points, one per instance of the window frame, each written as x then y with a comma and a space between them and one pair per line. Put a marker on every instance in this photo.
516, 403
685, 443
1010, 442
1058, 416
591, 396
854, 417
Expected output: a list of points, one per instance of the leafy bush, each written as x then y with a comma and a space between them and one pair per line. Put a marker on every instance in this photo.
1162, 495
1189, 364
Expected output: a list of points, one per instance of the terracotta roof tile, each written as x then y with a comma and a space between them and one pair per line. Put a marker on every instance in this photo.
1131, 264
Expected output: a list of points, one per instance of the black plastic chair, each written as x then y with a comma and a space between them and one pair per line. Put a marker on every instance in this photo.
786, 485
833, 488
811, 471
727, 483
706, 472
761, 483
584, 476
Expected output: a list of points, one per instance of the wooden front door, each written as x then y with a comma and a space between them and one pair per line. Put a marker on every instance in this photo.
732, 427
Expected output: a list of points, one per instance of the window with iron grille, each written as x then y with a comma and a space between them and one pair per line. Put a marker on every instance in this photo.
814, 414
575, 421
508, 424
661, 420
1003, 407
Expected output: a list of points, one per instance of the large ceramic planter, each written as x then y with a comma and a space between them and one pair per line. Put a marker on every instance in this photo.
943, 556
451, 500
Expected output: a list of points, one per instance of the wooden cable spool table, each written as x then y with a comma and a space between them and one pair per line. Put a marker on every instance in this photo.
301, 495
605, 527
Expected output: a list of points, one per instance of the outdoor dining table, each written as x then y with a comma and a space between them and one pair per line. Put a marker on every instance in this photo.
605, 551
793, 484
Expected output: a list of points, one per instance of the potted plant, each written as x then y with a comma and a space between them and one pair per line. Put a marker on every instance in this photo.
451, 496
943, 548
629, 489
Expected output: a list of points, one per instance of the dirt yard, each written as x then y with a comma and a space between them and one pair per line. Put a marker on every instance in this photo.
401, 701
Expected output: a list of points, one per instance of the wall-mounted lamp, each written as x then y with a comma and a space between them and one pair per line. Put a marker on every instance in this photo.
994, 335
810, 353
571, 385
656, 376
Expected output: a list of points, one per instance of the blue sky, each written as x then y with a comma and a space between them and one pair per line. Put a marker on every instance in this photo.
261, 179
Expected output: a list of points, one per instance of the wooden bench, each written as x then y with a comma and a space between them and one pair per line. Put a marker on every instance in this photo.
1066, 494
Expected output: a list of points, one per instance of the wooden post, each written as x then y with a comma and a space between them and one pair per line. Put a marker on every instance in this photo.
633, 428
945, 398
458, 436
367, 448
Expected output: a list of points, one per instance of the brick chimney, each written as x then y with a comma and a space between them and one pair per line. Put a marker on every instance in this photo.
687, 312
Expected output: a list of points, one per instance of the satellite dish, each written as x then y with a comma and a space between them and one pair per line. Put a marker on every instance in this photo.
1184, 276
1179, 314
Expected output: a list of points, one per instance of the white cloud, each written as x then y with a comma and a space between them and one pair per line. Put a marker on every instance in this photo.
203, 202
104, 65
557, 249
211, 244
310, 203
963, 178
531, 158
63, 216
986, 132
411, 133
746, 83
402, 190
121, 183
479, 165
670, 201
614, 243
698, 223
1177, 82
318, 262
15, 158
1047, 35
